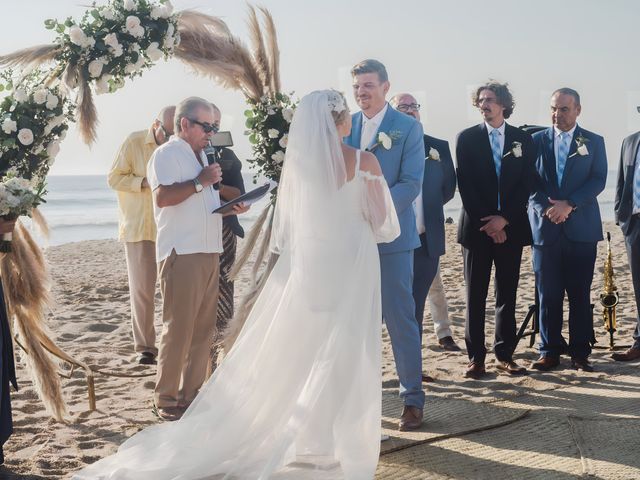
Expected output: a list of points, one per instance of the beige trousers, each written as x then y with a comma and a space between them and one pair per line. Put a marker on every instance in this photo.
189, 285
142, 270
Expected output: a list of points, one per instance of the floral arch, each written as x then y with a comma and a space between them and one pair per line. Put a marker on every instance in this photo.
48, 86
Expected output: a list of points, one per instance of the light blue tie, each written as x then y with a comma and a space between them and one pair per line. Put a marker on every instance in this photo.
636, 188
497, 157
563, 151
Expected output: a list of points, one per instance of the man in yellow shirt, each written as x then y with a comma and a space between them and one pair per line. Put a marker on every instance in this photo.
138, 228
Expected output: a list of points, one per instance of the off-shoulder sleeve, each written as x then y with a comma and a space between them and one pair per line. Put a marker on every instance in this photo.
378, 207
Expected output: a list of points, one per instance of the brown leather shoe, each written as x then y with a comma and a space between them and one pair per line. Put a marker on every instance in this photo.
511, 367
448, 344
475, 370
546, 363
628, 356
582, 364
411, 418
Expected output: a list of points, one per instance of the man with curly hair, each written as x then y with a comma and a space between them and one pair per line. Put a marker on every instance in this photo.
495, 167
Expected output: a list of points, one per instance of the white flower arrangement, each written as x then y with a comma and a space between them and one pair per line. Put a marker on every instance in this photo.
516, 150
268, 121
434, 154
117, 41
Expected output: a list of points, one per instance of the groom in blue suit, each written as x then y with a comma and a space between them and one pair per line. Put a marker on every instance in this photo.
566, 226
396, 140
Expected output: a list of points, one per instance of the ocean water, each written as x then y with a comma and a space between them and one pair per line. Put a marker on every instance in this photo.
83, 207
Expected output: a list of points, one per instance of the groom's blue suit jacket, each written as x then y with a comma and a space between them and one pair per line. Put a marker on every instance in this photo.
403, 168
583, 179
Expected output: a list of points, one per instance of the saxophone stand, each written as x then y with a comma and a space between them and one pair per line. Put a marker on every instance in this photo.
532, 316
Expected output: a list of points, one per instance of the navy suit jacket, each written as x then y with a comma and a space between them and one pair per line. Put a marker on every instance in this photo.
438, 187
583, 179
624, 186
402, 166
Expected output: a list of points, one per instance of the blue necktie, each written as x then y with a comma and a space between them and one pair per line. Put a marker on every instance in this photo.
563, 151
497, 157
636, 188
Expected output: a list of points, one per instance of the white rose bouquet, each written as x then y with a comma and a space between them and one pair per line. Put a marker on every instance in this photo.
17, 197
267, 125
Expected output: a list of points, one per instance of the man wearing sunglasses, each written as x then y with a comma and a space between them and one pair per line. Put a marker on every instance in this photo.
137, 228
188, 246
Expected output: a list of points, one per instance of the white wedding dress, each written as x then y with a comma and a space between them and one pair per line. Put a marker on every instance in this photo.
299, 394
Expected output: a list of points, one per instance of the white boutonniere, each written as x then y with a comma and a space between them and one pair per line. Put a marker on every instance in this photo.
516, 150
434, 154
386, 140
582, 149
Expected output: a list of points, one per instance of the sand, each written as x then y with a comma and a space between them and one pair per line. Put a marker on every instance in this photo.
91, 321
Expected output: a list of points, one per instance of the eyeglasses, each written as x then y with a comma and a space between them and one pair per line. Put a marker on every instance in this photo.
407, 107
162, 129
207, 127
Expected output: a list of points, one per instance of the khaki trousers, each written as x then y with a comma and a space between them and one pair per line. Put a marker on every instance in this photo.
142, 271
189, 285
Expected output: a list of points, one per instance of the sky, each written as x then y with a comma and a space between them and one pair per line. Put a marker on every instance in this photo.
437, 50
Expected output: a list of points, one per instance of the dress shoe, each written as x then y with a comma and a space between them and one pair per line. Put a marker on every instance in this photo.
475, 370
511, 367
582, 363
411, 418
630, 355
427, 378
546, 363
146, 358
448, 344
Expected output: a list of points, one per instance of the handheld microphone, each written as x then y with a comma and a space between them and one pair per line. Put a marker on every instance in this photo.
212, 157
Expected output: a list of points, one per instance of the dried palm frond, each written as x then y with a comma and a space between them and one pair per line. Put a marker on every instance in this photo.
217, 54
190, 20
87, 114
40, 222
274, 52
26, 282
30, 57
260, 58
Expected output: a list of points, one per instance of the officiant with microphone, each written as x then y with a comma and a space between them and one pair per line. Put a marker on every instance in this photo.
230, 188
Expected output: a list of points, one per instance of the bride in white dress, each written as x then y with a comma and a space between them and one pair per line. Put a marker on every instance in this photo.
299, 394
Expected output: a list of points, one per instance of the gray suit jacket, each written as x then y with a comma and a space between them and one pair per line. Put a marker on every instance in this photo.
624, 187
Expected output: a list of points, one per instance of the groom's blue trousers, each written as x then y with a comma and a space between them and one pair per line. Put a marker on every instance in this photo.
398, 312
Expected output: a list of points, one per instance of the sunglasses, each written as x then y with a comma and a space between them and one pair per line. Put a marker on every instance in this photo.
207, 127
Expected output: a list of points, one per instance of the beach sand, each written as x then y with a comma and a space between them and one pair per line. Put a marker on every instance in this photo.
91, 321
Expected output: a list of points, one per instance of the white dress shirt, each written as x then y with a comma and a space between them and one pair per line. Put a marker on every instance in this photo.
418, 208
188, 227
370, 127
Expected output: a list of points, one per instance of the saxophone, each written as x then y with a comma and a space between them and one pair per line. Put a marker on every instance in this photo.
609, 296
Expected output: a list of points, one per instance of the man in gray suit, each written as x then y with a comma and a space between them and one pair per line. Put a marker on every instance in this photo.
438, 187
627, 209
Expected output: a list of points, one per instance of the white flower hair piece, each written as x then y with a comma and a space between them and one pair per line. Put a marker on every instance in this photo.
336, 102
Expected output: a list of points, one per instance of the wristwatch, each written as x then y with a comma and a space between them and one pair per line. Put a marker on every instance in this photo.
197, 184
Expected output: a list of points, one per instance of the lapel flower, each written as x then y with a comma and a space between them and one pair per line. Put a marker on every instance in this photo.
434, 154
386, 140
582, 149
516, 150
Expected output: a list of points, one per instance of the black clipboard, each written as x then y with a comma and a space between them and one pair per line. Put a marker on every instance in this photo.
247, 198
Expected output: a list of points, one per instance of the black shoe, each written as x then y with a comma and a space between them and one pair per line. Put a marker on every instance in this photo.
146, 358
582, 363
448, 344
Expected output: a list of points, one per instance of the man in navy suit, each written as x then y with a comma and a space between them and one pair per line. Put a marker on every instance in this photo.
627, 209
396, 140
495, 177
566, 226
438, 187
